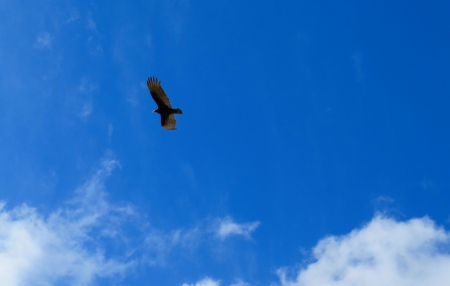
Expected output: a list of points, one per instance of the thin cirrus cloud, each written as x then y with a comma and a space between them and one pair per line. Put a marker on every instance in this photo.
159, 245
227, 227
162, 244
384, 252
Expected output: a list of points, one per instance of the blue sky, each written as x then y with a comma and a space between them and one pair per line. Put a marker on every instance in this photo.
313, 147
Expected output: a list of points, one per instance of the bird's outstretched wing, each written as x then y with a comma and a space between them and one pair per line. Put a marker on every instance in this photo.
157, 92
168, 121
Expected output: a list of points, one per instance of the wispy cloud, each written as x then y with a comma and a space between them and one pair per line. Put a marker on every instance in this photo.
384, 252
93, 41
87, 88
383, 199
227, 227
43, 41
207, 281
94, 48
64, 246
204, 282
86, 110
91, 25
73, 15
159, 244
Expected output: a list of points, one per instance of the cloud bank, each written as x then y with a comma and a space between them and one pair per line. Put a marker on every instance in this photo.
384, 252
67, 246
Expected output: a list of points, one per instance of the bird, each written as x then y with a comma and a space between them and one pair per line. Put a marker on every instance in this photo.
165, 109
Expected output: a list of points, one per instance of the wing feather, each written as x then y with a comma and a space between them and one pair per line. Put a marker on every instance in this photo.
168, 121
157, 92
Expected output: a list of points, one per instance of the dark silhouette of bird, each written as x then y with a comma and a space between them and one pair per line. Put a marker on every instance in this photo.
165, 109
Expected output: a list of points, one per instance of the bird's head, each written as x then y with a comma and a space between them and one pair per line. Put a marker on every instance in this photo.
156, 110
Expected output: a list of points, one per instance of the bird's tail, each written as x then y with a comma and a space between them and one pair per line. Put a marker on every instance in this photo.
177, 111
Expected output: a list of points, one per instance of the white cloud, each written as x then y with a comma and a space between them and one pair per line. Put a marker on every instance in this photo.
228, 227
383, 252
65, 245
43, 40
204, 282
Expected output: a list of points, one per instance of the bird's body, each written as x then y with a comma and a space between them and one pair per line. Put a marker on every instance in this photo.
165, 109
168, 111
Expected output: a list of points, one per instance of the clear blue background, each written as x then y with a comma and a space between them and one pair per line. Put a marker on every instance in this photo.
307, 116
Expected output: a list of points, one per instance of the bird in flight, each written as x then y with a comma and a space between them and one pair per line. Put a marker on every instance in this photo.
165, 109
